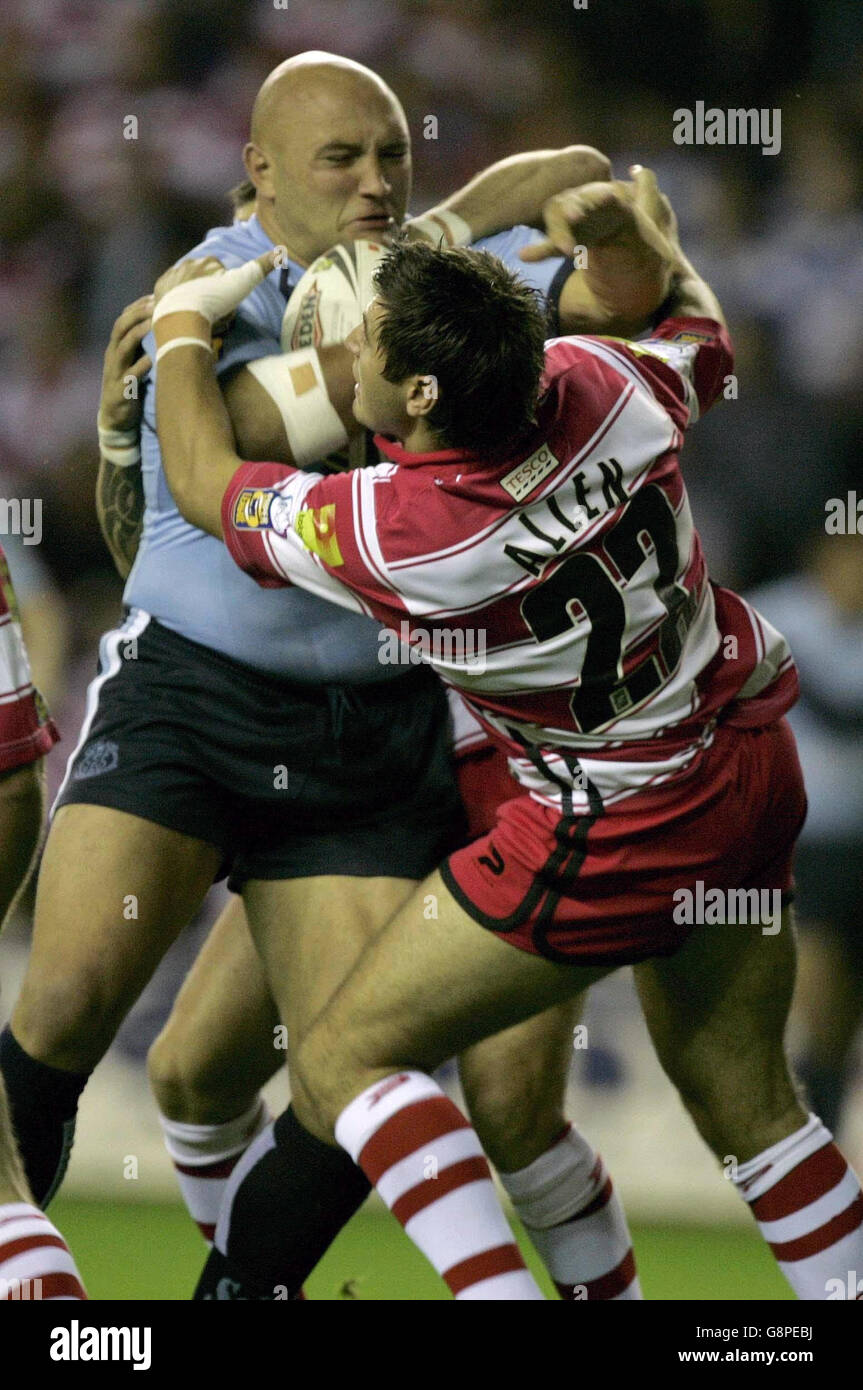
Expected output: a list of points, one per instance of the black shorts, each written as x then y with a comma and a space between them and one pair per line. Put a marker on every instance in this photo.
287, 780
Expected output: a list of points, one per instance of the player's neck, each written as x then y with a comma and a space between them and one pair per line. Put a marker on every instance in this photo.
421, 440
270, 225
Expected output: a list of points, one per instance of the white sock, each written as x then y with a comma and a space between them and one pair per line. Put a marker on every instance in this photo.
809, 1209
427, 1164
569, 1208
35, 1262
205, 1156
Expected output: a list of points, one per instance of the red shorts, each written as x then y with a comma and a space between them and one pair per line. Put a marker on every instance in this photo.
485, 783
590, 890
26, 730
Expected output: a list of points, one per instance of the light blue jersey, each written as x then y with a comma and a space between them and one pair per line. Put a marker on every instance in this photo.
187, 580
540, 274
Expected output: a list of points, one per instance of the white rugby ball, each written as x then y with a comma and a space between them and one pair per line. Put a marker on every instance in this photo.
330, 299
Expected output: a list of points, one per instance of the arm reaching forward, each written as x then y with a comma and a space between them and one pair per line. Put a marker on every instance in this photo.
514, 190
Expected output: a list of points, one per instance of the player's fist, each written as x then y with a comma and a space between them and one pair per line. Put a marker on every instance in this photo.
185, 271
203, 294
623, 240
600, 213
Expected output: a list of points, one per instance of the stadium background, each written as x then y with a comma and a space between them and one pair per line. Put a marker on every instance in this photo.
88, 218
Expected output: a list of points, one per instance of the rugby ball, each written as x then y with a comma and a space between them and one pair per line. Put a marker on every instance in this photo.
329, 301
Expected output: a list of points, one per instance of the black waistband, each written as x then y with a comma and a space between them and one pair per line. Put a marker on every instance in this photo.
176, 645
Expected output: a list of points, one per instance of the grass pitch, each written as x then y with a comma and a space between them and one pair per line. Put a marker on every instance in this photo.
151, 1251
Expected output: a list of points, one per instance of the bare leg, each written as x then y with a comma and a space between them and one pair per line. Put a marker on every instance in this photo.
218, 1048
114, 892
717, 1012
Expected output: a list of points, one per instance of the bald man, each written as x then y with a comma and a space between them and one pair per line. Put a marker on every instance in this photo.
258, 735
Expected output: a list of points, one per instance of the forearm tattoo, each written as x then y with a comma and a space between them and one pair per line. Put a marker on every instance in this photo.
120, 508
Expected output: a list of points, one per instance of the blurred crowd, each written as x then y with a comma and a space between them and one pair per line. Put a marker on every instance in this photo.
121, 128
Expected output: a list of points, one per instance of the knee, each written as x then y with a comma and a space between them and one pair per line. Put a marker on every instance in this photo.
192, 1089
174, 1089
66, 1023
516, 1119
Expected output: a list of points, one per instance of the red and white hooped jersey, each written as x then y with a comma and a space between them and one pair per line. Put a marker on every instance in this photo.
564, 592
26, 730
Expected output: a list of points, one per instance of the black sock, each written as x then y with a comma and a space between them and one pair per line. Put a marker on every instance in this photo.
43, 1103
284, 1215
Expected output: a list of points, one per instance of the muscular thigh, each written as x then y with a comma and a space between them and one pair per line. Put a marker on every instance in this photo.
422, 991
717, 1012
310, 931
114, 891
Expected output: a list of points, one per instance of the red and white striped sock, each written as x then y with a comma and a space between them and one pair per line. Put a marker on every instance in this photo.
35, 1262
427, 1164
204, 1157
569, 1208
809, 1209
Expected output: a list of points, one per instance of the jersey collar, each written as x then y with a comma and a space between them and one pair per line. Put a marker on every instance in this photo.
404, 457
286, 276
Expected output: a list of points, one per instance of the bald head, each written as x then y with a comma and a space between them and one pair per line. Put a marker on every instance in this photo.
329, 154
308, 77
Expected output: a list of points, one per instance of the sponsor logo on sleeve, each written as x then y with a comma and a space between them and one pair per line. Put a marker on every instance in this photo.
529, 474
252, 508
316, 528
262, 509
678, 353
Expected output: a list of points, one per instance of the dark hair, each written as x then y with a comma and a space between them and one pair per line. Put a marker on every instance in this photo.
242, 194
462, 317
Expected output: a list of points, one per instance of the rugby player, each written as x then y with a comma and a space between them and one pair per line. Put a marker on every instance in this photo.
212, 694
35, 1262
539, 497
217, 1051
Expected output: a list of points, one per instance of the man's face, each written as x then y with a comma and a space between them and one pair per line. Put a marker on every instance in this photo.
378, 404
339, 166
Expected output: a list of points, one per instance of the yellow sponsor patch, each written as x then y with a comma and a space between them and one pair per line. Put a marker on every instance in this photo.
316, 528
252, 508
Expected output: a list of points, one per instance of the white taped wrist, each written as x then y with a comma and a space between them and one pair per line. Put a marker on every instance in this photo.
213, 296
441, 225
182, 342
295, 382
122, 448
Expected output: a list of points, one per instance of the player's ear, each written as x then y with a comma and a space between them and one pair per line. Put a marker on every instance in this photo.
258, 168
422, 395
